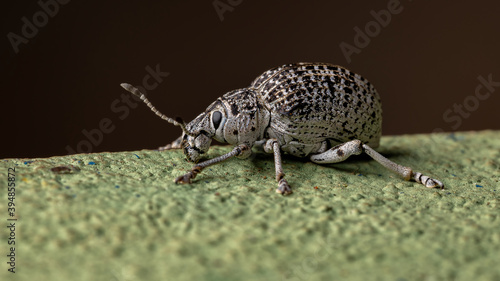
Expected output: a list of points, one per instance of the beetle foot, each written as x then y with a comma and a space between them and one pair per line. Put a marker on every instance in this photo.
283, 187
431, 183
428, 182
186, 179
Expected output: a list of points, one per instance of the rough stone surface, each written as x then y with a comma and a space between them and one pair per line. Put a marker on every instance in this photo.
119, 216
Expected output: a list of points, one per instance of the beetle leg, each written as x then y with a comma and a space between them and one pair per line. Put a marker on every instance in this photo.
338, 153
237, 150
176, 144
405, 172
341, 152
272, 145
259, 145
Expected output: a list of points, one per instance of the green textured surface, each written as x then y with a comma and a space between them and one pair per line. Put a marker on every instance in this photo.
124, 219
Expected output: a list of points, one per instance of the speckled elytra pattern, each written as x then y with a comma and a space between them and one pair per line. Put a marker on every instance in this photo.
313, 102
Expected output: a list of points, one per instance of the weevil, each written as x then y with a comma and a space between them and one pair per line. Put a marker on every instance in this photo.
316, 110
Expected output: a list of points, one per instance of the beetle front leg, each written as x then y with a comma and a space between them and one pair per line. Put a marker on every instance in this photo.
272, 145
238, 150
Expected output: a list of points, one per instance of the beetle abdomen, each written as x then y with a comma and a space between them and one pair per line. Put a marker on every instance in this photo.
312, 102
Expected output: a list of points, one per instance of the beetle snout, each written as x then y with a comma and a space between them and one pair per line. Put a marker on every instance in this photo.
192, 154
194, 148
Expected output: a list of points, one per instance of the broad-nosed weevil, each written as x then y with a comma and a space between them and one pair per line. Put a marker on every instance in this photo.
316, 110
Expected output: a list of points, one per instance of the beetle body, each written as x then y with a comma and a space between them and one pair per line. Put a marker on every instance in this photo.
313, 103
319, 110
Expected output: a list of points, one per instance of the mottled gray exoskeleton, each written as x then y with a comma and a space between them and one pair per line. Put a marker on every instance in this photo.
319, 110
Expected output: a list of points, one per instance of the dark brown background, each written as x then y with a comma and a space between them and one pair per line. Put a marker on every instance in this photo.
65, 79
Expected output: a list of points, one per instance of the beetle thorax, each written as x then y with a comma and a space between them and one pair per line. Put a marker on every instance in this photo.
246, 118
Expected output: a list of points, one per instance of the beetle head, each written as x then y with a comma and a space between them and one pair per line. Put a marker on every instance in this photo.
199, 132
234, 118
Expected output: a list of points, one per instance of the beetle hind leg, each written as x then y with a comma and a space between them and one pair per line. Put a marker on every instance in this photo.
341, 152
338, 153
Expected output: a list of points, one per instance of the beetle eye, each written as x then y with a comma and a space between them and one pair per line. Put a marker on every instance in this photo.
216, 118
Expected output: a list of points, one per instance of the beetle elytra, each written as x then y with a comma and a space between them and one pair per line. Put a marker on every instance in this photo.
316, 110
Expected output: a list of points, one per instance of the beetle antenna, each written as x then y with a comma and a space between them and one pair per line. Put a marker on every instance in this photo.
138, 93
